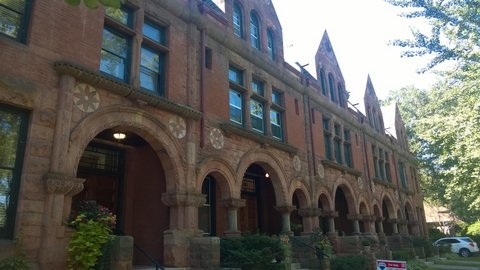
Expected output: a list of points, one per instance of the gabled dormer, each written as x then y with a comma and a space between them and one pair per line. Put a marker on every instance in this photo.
329, 74
256, 23
372, 108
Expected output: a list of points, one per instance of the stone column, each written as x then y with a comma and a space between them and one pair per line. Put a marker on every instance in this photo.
369, 223
232, 205
331, 215
394, 223
379, 222
183, 226
355, 221
285, 211
310, 218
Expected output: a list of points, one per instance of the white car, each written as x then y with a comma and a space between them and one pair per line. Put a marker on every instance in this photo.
462, 245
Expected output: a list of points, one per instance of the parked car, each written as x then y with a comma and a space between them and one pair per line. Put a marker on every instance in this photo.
462, 245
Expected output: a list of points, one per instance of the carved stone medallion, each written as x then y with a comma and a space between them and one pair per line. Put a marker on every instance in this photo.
321, 171
177, 126
216, 138
297, 164
85, 97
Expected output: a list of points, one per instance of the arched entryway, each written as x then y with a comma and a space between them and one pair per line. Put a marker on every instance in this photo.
259, 215
324, 205
388, 214
127, 176
342, 223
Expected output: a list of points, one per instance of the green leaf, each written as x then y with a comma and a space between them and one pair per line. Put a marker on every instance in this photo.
112, 3
92, 4
73, 2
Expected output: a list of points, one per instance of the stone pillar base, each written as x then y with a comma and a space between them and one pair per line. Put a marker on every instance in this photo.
177, 247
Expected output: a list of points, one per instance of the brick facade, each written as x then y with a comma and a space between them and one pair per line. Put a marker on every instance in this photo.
186, 170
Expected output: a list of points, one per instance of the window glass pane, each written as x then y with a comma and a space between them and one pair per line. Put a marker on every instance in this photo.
154, 32
114, 54
237, 21
257, 87
121, 15
150, 59
236, 107
277, 98
5, 186
276, 124
270, 45
235, 75
11, 15
256, 111
254, 31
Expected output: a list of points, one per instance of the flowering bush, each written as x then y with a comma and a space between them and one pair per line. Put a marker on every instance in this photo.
93, 226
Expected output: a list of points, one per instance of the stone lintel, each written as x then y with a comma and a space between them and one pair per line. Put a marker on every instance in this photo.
58, 183
184, 199
329, 213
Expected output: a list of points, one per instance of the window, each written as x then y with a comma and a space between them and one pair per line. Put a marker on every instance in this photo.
323, 83
347, 148
337, 143
152, 61
327, 137
402, 175
271, 44
276, 110
236, 95
236, 105
116, 43
254, 31
256, 115
381, 164
341, 100
206, 213
387, 167
257, 87
375, 161
331, 86
14, 16
13, 127
237, 21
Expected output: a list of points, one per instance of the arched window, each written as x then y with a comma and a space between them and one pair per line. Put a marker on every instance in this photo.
254, 31
341, 100
271, 44
331, 86
237, 20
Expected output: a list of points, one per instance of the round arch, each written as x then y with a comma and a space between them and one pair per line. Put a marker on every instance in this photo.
222, 171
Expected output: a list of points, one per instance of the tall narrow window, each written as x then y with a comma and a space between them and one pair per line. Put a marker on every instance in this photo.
153, 55
14, 16
341, 100
271, 45
327, 138
331, 86
402, 175
347, 148
276, 115
256, 115
116, 51
323, 82
206, 213
387, 167
254, 31
381, 163
236, 95
237, 21
375, 161
337, 141
13, 127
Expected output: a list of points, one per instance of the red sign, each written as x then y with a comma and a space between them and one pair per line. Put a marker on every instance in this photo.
391, 265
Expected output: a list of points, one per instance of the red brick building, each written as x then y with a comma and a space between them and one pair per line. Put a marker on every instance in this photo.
222, 136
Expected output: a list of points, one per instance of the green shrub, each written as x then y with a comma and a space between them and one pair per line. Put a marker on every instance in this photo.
253, 252
14, 262
349, 262
420, 241
417, 265
403, 254
434, 234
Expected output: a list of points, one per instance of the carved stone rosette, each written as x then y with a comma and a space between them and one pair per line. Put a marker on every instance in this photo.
184, 199
57, 183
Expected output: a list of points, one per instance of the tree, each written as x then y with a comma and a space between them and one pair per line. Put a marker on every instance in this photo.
454, 31
93, 4
443, 126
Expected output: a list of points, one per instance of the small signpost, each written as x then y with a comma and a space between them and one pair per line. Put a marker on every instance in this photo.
391, 265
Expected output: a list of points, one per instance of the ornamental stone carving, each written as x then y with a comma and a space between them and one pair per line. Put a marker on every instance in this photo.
216, 138
177, 126
56, 183
321, 171
297, 163
86, 97
184, 199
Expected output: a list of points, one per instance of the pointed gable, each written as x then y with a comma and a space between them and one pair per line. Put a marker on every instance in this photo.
372, 108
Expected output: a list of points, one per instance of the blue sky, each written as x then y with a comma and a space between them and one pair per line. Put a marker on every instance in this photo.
360, 32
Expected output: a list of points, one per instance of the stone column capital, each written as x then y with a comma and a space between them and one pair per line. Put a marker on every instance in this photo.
329, 213
58, 183
310, 212
233, 203
184, 199
285, 209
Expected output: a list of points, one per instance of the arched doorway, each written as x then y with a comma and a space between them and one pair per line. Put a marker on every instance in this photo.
323, 204
342, 223
388, 214
127, 176
296, 221
259, 215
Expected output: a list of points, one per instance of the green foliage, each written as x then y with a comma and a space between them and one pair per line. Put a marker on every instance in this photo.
403, 254
320, 240
452, 34
423, 242
474, 228
349, 262
14, 262
434, 233
92, 237
253, 252
417, 265
93, 4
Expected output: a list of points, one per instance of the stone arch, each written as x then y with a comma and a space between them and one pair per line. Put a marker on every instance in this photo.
270, 163
325, 199
347, 189
222, 171
298, 187
135, 120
